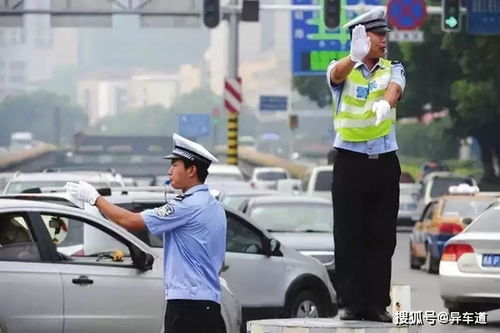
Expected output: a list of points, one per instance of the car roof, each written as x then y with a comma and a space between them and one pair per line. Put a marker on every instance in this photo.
468, 197
223, 168
444, 174
269, 169
247, 191
63, 176
323, 168
288, 199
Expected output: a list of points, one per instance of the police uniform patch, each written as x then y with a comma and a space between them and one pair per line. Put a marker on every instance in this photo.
163, 211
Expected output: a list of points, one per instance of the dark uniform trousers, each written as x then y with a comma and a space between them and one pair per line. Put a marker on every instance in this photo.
193, 316
365, 193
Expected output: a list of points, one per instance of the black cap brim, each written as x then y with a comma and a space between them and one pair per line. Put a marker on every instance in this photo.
172, 157
380, 29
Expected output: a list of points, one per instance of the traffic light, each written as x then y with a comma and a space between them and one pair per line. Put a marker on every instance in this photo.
331, 13
211, 13
250, 11
450, 19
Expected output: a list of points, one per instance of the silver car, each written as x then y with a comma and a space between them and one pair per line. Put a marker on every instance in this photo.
21, 182
64, 269
470, 266
301, 222
269, 279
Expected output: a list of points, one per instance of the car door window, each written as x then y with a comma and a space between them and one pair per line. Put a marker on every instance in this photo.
241, 238
80, 241
16, 239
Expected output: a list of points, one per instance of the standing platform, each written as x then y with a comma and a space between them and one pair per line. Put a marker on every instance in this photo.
325, 325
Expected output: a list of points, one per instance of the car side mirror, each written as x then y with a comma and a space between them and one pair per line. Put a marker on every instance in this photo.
143, 261
273, 247
467, 220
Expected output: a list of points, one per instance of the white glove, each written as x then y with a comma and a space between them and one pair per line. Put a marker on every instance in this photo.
382, 110
82, 191
360, 43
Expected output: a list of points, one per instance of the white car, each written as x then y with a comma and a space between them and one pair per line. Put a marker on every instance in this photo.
407, 213
224, 173
267, 178
319, 183
21, 182
111, 286
469, 271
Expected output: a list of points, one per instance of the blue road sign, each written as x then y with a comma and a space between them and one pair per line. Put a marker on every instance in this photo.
406, 14
273, 103
483, 17
313, 44
194, 125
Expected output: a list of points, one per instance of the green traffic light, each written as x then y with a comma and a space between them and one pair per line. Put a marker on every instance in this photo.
451, 22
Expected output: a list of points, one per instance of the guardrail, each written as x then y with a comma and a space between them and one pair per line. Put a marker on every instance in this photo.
11, 160
256, 158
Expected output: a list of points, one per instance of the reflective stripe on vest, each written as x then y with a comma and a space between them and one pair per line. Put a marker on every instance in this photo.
355, 120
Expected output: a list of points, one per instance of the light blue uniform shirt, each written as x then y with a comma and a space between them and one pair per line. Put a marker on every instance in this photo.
194, 243
379, 145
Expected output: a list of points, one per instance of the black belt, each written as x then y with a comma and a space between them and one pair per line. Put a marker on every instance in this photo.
350, 153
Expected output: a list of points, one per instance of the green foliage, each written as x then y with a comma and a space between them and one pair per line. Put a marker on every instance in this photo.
412, 169
34, 112
314, 87
430, 142
429, 71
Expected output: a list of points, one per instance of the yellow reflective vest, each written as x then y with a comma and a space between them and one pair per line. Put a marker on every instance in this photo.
354, 120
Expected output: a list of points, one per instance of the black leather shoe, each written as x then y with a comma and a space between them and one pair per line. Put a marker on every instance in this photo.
377, 315
352, 313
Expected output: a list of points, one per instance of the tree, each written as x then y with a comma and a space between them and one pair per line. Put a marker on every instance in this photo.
34, 112
314, 87
429, 70
477, 111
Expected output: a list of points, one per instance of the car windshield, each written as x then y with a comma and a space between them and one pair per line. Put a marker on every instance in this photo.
271, 175
441, 185
294, 217
19, 187
464, 208
487, 222
324, 181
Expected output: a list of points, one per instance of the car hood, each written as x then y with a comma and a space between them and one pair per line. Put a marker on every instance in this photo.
306, 241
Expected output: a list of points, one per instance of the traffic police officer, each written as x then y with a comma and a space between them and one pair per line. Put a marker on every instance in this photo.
193, 226
365, 189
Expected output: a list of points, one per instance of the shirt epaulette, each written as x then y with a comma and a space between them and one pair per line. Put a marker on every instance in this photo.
182, 197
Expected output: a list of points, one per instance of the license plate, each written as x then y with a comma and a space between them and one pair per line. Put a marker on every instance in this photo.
491, 260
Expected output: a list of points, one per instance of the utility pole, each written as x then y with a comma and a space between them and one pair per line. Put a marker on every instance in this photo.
232, 71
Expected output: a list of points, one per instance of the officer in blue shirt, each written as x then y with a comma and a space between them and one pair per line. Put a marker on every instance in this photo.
193, 226
365, 188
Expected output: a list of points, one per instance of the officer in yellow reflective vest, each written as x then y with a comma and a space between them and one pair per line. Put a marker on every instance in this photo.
365, 189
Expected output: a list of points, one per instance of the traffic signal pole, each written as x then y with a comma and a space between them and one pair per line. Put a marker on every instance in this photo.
232, 72
231, 13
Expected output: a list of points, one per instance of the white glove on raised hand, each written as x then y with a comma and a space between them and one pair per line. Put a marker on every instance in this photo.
381, 109
360, 43
82, 191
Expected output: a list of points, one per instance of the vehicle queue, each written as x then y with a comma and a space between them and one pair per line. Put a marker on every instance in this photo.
59, 236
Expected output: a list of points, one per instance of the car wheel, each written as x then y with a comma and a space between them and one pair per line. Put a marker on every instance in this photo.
306, 305
432, 265
414, 262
